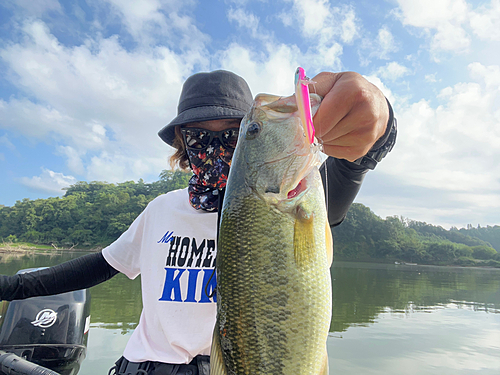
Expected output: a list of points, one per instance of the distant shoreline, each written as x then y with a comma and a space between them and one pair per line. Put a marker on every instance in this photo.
25, 249
406, 267
409, 265
30, 249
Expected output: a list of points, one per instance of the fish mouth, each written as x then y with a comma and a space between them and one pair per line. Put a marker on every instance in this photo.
295, 194
301, 187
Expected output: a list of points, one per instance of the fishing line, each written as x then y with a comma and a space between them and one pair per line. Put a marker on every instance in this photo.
214, 290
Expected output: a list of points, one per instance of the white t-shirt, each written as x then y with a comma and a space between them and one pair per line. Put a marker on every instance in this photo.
172, 246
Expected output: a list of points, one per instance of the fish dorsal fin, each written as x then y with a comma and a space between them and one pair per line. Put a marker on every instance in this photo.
265, 99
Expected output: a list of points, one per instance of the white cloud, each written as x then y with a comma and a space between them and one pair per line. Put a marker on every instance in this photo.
157, 21
443, 20
432, 13
247, 20
324, 26
286, 18
379, 47
5, 143
49, 181
137, 15
450, 37
73, 159
43, 122
453, 147
35, 8
313, 16
490, 75
485, 21
96, 96
385, 41
431, 78
350, 26
393, 71
272, 73
243, 18
451, 24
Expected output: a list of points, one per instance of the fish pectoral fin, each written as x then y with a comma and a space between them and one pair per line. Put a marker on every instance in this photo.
329, 243
324, 366
303, 237
217, 366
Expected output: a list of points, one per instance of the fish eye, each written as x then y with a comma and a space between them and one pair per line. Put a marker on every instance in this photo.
253, 130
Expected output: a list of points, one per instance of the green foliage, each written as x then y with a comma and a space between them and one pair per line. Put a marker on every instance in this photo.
364, 236
11, 238
88, 215
489, 234
493, 263
465, 261
95, 214
483, 252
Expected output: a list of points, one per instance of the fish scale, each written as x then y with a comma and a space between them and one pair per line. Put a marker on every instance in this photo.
273, 288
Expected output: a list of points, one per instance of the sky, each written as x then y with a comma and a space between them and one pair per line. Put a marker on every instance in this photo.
86, 85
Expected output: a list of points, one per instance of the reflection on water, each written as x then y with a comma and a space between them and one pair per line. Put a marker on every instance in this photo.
361, 291
389, 319
445, 341
386, 319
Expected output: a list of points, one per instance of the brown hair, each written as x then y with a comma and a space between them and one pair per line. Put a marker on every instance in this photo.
179, 157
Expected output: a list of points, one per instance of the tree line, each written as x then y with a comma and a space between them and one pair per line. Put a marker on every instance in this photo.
92, 215
365, 236
89, 215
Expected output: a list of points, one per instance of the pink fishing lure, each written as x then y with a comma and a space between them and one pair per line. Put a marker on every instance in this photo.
304, 103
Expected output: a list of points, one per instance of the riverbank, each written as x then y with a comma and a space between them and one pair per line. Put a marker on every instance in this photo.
461, 262
24, 248
29, 248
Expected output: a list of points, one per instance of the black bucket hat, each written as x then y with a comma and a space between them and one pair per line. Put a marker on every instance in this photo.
210, 96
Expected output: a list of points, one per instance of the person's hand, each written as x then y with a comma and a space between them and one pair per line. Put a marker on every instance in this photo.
352, 116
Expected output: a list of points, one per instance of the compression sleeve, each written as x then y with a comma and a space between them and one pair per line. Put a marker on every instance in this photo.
341, 181
80, 273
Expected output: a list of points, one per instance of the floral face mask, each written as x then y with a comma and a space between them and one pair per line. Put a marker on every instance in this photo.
210, 155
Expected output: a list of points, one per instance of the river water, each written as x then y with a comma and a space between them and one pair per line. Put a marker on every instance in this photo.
387, 319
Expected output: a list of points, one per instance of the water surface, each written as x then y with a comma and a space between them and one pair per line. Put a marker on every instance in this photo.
386, 319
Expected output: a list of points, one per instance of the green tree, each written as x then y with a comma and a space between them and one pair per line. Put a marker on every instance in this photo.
483, 252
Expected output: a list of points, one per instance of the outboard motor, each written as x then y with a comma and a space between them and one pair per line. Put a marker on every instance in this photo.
49, 331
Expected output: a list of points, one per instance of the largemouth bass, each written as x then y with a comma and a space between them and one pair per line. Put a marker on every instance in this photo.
274, 250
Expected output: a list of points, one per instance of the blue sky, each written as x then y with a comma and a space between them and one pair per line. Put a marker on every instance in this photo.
86, 85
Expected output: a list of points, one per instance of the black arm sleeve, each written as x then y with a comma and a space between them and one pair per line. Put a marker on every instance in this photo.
341, 181
79, 273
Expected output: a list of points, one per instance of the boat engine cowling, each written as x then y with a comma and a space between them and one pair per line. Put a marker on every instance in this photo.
50, 331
